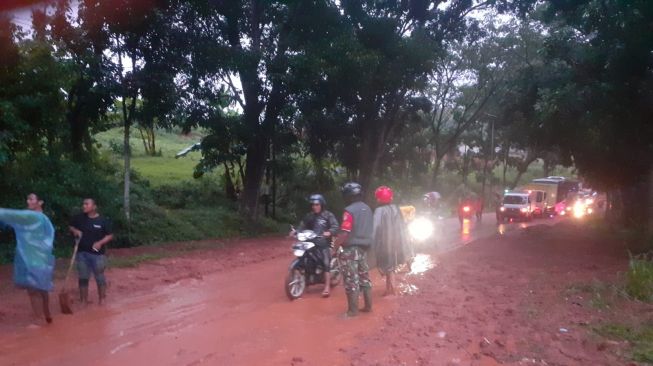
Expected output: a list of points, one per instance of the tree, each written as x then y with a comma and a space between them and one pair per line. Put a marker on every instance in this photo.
142, 47
379, 63
254, 44
80, 41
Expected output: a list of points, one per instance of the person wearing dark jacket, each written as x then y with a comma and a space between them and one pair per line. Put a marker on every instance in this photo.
355, 238
325, 225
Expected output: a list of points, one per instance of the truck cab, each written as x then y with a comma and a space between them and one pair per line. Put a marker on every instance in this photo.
516, 205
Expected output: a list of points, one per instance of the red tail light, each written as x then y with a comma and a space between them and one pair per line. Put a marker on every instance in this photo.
466, 208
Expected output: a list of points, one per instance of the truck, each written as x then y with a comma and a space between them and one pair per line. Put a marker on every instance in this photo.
556, 190
516, 205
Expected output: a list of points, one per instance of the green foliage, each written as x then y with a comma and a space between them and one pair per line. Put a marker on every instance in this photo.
640, 338
639, 278
599, 105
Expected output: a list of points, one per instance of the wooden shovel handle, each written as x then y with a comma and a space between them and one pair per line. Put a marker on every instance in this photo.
70, 267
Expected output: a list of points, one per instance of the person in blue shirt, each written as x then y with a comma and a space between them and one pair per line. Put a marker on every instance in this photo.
34, 261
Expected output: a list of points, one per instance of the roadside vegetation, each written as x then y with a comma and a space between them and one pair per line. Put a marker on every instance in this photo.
639, 337
98, 98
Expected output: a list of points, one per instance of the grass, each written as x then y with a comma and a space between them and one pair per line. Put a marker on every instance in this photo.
158, 170
639, 279
601, 295
639, 337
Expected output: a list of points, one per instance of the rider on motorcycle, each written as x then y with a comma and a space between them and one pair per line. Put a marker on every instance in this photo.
325, 225
432, 201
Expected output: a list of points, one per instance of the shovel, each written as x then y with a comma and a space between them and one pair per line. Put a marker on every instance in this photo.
64, 297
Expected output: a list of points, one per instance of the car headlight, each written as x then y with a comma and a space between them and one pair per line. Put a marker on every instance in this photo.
579, 210
502, 209
420, 229
524, 209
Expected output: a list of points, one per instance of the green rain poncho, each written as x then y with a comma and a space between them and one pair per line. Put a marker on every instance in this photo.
391, 242
34, 262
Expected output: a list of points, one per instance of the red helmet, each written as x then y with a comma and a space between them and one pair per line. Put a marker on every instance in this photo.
383, 195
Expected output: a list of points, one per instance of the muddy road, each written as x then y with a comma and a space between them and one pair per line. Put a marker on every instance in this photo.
216, 307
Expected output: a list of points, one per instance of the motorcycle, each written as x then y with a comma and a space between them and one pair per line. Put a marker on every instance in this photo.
307, 268
468, 210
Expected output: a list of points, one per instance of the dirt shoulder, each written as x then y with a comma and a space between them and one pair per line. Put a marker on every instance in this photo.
536, 296
134, 270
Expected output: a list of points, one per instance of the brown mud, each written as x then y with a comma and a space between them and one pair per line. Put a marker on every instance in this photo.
511, 298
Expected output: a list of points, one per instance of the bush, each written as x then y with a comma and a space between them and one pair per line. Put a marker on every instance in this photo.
198, 193
639, 278
192, 211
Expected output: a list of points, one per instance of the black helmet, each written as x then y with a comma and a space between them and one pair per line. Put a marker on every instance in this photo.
352, 189
317, 198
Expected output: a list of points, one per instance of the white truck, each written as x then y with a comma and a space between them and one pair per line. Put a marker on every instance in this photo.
516, 206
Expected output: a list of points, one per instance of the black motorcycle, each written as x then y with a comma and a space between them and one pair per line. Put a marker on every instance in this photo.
307, 268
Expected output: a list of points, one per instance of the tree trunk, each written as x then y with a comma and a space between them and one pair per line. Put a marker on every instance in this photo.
144, 139
650, 202
546, 167
153, 140
254, 169
230, 189
76, 136
436, 173
368, 161
127, 160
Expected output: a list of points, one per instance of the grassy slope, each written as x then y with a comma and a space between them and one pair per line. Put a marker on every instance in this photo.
159, 170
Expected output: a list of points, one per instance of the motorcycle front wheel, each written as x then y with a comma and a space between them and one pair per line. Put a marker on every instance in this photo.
295, 284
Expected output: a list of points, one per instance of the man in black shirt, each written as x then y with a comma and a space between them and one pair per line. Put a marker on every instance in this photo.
94, 232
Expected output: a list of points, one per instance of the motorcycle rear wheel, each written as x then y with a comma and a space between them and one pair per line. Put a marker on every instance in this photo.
336, 274
295, 284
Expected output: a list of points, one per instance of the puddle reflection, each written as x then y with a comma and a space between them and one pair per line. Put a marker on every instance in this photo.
501, 229
466, 231
407, 289
421, 263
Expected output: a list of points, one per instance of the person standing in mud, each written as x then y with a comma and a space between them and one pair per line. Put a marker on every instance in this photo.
94, 233
391, 242
355, 239
33, 261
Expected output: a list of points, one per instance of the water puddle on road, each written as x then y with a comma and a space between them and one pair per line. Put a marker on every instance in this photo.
421, 263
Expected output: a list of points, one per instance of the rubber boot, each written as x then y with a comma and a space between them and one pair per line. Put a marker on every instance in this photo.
102, 293
352, 304
83, 295
367, 297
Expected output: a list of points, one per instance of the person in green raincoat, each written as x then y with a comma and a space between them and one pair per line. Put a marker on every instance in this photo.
391, 241
33, 262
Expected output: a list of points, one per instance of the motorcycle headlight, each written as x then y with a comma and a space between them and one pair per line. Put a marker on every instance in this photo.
420, 229
298, 252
